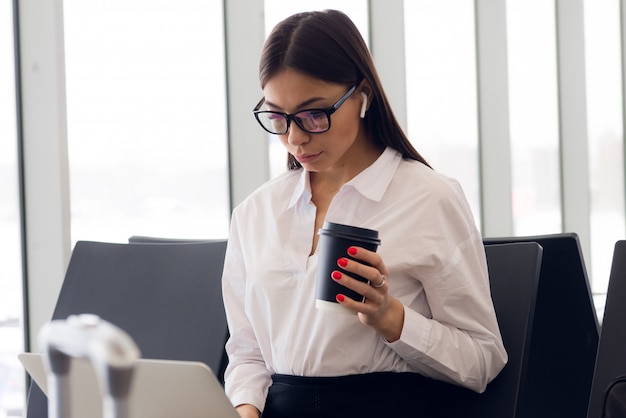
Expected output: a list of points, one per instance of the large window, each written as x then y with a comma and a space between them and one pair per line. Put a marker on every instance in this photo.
441, 89
534, 117
146, 112
604, 110
11, 311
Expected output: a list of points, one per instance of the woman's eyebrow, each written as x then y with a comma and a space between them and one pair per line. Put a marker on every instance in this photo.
300, 106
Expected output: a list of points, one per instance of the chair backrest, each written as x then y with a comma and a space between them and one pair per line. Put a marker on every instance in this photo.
167, 297
144, 239
513, 275
220, 244
565, 335
611, 359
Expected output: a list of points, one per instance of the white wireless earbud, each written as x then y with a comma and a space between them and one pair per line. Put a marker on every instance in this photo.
364, 105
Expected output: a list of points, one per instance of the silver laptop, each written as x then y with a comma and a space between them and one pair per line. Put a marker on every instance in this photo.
159, 389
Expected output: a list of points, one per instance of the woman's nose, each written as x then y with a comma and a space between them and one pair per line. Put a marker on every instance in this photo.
296, 136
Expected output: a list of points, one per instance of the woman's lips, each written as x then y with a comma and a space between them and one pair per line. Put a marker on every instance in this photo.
307, 158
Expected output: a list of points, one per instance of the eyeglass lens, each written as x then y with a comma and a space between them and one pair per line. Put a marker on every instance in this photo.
312, 121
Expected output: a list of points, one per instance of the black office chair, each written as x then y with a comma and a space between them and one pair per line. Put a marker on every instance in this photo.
565, 336
144, 239
514, 274
611, 359
167, 297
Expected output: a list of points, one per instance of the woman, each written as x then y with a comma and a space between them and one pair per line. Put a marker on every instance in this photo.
427, 312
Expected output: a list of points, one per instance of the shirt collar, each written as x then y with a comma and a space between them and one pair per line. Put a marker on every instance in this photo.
302, 189
375, 179
371, 182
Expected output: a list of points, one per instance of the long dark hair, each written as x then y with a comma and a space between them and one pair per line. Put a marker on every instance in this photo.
327, 45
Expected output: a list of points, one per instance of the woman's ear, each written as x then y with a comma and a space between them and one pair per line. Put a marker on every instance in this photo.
363, 105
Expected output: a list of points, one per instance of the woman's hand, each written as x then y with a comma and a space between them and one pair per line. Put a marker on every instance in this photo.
248, 411
380, 311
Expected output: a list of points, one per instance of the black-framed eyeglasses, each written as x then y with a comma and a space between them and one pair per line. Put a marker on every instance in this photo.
313, 121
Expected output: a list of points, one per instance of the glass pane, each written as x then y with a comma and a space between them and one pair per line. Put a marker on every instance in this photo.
534, 122
277, 10
146, 119
12, 382
441, 89
606, 162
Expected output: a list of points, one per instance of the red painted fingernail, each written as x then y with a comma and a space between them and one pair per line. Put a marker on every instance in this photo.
336, 275
340, 298
342, 262
352, 250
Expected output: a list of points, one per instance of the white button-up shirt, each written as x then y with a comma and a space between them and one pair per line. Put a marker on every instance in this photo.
437, 269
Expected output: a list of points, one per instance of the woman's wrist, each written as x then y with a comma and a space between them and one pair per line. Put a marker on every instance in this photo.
248, 411
390, 327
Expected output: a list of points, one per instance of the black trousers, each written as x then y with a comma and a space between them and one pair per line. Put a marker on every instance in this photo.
379, 395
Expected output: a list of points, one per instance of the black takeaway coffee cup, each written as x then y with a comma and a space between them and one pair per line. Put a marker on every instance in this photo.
335, 239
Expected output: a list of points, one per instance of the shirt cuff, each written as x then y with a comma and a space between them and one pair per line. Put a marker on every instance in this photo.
413, 341
252, 397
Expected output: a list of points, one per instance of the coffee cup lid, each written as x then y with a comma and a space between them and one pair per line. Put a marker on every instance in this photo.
350, 232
